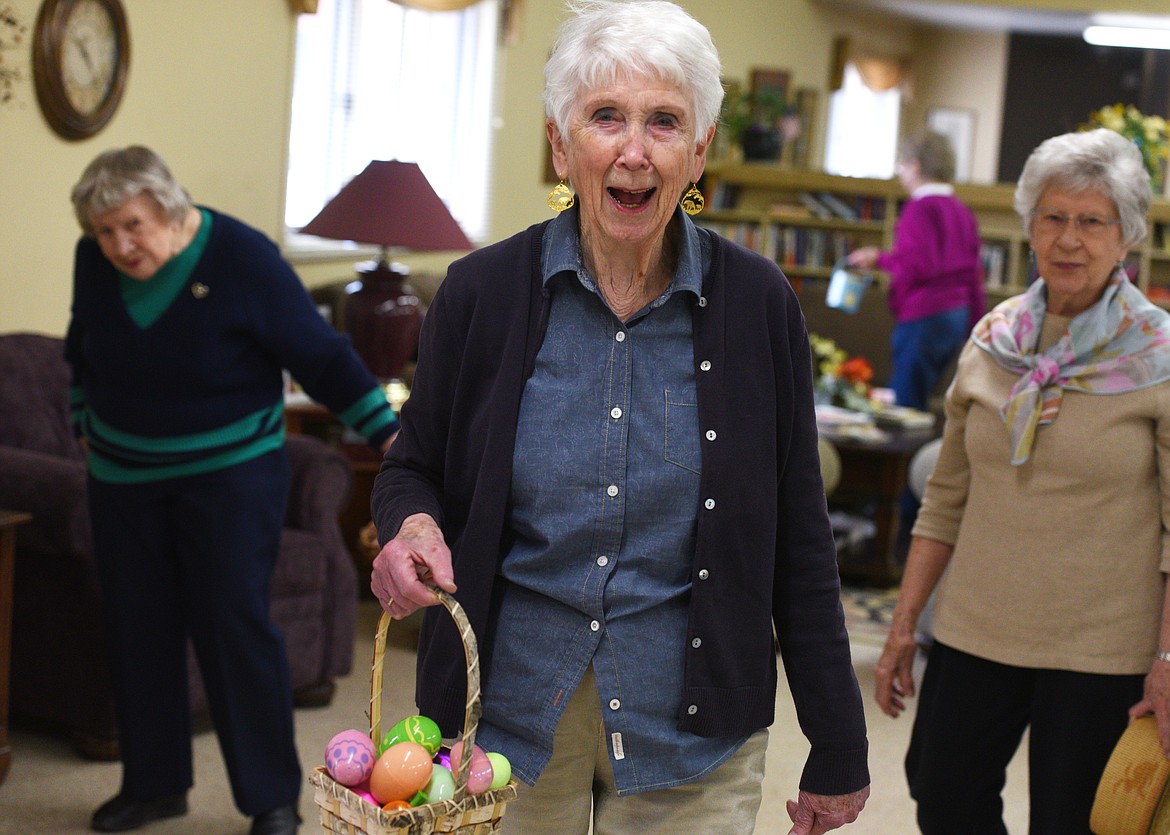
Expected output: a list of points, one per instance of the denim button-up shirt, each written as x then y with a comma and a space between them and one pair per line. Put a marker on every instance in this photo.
605, 493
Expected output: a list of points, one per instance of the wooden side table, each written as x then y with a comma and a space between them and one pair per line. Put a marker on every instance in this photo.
9, 519
875, 473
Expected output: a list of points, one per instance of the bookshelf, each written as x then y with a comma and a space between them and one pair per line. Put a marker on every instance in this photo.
806, 220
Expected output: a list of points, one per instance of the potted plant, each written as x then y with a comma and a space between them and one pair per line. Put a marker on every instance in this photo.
755, 123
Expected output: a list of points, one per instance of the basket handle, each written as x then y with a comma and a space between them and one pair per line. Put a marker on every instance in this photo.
471, 654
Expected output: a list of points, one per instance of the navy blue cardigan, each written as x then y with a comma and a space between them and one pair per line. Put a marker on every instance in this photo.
764, 551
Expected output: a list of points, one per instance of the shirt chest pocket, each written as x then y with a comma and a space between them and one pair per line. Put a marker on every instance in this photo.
681, 431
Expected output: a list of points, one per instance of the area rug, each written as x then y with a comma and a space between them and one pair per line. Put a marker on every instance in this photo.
868, 613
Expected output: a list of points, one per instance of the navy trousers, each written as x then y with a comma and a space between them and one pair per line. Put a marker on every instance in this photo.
971, 716
192, 558
921, 351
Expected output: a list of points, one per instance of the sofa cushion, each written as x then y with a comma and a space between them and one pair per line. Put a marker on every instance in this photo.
36, 386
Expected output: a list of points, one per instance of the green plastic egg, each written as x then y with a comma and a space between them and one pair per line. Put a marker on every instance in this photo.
440, 787
418, 729
501, 770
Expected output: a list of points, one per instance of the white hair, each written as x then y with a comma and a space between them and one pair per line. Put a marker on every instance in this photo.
1096, 160
606, 40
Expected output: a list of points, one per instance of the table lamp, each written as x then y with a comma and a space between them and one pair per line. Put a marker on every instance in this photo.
390, 204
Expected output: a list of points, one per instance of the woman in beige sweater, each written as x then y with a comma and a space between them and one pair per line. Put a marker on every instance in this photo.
1049, 506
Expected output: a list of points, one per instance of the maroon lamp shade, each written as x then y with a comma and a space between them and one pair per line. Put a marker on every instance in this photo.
390, 204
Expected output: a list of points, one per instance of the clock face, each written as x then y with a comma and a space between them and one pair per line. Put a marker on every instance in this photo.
81, 56
89, 55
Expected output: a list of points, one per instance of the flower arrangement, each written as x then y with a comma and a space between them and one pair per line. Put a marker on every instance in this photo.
840, 380
1151, 134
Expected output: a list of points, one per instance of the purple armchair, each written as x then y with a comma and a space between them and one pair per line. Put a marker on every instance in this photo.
60, 680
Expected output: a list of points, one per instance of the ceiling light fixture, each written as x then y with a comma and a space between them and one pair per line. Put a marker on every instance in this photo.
1127, 36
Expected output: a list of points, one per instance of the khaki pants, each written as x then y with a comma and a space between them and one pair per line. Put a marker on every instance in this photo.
577, 785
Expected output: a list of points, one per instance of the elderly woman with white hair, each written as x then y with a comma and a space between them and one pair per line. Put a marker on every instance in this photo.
610, 445
183, 320
1048, 508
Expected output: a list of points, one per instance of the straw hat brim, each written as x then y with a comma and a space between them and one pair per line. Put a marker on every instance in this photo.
1133, 796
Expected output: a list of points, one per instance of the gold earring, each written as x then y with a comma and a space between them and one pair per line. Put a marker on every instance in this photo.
560, 198
692, 201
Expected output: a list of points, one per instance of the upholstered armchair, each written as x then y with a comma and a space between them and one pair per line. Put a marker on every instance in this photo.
60, 679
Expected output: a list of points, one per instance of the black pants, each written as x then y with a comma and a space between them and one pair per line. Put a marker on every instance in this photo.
192, 558
971, 716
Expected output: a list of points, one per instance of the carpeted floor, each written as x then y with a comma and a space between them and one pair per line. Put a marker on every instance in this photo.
868, 613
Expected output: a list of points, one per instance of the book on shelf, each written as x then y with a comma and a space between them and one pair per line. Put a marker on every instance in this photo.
815, 206
838, 206
993, 257
783, 210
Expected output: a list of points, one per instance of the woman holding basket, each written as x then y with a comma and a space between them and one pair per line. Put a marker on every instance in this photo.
611, 447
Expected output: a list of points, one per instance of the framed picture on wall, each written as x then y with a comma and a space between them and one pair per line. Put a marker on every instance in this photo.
958, 125
768, 81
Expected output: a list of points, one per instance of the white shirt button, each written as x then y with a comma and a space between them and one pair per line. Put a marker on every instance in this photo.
696, 642
710, 434
603, 561
705, 365
594, 625
615, 412
702, 301
704, 574
709, 504
620, 336
612, 490
614, 704
692, 709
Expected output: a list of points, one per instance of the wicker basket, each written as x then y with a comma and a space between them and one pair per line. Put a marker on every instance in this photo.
1133, 797
342, 811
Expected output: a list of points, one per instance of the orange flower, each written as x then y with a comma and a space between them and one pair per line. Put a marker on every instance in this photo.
856, 370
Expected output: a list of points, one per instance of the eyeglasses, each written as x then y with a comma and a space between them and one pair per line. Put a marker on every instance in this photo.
1051, 222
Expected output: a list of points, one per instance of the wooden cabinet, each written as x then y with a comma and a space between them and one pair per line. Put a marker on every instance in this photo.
807, 220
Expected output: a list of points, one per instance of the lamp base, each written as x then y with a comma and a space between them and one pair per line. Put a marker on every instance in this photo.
383, 316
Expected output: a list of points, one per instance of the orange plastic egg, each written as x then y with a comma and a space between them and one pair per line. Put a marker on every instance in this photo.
400, 772
396, 806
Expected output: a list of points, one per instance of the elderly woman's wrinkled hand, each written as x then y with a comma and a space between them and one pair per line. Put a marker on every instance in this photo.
893, 675
1156, 700
812, 814
416, 557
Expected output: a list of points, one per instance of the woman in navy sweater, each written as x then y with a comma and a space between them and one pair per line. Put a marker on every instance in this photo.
182, 322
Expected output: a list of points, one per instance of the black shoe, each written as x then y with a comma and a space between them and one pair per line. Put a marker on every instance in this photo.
121, 814
282, 820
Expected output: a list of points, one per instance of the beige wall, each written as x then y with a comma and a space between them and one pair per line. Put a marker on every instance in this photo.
966, 56
209, 88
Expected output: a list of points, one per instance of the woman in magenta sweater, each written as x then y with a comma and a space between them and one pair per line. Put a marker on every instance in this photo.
936, 279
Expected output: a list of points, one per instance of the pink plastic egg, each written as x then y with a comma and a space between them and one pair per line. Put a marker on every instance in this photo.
350, 757
362, 790
400, 772
479, 776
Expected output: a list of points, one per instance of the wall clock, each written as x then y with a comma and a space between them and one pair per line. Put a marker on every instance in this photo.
81, 55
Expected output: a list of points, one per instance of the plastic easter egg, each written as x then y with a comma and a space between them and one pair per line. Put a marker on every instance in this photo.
479, 776
402, 770
441, 786
363, 791
501, 770
350, 757
418, 729
396, 806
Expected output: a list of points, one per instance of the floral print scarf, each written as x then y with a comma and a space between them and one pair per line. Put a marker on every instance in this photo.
1120, 344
